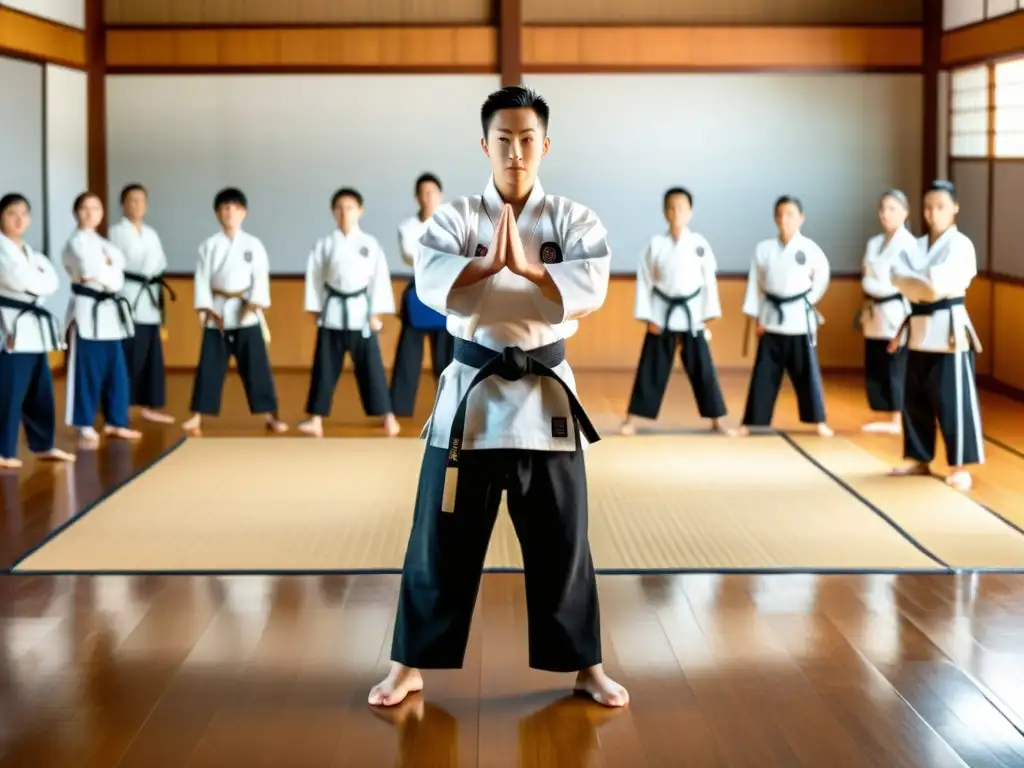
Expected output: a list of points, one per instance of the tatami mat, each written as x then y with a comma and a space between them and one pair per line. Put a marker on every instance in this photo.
666, 502
950, 525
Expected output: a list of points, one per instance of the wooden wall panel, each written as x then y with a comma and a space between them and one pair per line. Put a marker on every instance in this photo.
1008, 319
737, 12
982, 42
605, 49
278, 12
462, 49
41, 39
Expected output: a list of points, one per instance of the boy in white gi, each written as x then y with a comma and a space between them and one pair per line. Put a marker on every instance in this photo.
514, 269
940, 389
27, 333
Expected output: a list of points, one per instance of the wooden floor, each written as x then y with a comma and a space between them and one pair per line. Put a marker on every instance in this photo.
827, 671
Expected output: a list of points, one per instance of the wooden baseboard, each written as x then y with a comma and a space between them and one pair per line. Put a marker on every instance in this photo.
1001, 388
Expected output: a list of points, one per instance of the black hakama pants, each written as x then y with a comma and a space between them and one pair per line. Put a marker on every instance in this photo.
405, 377
546, 494
144, 354
328, 361
26, 398
249, 349
941, 391
884, 376
655, 368
794, 356
97, 381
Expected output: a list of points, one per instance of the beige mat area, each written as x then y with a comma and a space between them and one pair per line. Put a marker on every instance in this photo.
661, 502
947, 523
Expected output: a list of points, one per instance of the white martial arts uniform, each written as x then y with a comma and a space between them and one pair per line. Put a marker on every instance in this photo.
940, 385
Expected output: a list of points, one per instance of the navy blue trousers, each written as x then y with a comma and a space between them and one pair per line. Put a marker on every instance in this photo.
97, 379
26, 397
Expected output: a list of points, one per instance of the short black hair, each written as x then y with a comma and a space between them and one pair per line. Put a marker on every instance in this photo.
229, 196
942, 185
346, 192
428, 178
80, 200
514, 97
670, 193
133, 187
13, 198
788, 199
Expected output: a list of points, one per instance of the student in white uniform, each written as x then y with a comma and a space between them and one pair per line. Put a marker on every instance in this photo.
676, 295
27, 333
99, 320
514, 269
884, 311
419, 322
144, 288
348, 287
788, 277
232, 289
940, 384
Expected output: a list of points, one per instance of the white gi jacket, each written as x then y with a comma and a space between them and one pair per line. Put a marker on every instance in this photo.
508, 310
671, 270
144, 256
238, 266
98, 265
778, 275
882, 319
26, 278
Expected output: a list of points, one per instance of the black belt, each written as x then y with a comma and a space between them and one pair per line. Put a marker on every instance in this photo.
930, 308
511, 364
676, 302
344, 298
779, 302
43, 316
147, 284
124, 310
869, 304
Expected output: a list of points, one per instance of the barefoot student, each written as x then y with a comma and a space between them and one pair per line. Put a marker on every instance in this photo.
676, 294
99, 321
232, 288
514, 269
788, 277
27, 333
144, 289
419, 322
940, 385
884, 312
348, 286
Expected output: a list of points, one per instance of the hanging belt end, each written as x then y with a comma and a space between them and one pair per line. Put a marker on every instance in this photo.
451, 483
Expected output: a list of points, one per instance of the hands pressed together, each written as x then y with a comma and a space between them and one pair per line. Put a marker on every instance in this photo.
507, 250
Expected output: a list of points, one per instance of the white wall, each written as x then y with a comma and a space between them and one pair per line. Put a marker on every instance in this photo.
960, 13
737, 142
66, 163
70, 12
21, 138
289, 142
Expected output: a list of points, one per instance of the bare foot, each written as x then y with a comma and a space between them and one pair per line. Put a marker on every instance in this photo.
122, 433
741, 432
157, 417
597, 685
88, 439
391, 426
960, 479
194, 425
883, 427
392, 690
824, 430
312, 427
720, 428
916, 469
55, 454
276, 426
10, 463
409, 710
628, 428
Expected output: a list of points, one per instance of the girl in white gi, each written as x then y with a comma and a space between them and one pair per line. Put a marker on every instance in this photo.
788, 277
940, 384
514, 269
144, 288
348, 286
232, 289
676, 295
419, 322
884, 311
99, 320
27, 333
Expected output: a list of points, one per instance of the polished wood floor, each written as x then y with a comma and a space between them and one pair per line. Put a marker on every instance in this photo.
756, 671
